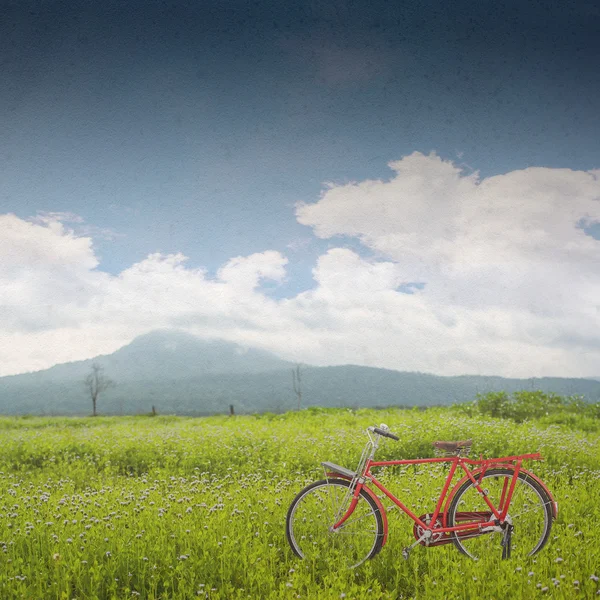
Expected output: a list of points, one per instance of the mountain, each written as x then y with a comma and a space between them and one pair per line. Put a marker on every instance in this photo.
182, 374
164, 355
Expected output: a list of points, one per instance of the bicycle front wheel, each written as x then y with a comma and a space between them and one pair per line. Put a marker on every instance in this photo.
317, 508
529, 516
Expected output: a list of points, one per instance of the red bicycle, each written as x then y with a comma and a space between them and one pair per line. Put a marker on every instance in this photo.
496, 507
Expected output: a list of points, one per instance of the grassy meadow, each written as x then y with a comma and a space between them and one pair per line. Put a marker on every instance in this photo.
179, 508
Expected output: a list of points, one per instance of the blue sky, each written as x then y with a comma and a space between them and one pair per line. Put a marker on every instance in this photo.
197, 127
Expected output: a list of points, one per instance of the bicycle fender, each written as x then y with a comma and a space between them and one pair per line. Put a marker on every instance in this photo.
502, 466
545, 488
375, 499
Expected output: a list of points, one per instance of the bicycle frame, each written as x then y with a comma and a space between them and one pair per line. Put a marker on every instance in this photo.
499, 513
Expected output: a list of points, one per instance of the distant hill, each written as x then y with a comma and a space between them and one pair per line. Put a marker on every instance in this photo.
161, 355
182, 374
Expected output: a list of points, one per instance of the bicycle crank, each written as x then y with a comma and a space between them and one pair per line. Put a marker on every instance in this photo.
436, 538
407, 550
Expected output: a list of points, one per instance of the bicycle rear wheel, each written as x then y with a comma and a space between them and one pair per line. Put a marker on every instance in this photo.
529, 516
319, 506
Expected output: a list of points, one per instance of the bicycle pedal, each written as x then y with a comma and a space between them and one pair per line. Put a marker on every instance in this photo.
405, 553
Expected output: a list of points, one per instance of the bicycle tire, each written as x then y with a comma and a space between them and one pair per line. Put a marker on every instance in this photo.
316, 508
530, 511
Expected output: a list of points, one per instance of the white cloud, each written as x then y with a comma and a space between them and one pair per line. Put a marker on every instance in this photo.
57, 307
245, 272
505, 263
512, 283
46, 274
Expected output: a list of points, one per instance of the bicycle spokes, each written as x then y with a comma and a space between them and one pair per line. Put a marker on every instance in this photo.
527, 524
316, 510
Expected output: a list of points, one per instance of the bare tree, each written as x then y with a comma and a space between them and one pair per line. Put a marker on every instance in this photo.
297, 381
96, 383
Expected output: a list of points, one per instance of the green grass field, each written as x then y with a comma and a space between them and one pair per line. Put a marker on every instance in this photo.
177, 508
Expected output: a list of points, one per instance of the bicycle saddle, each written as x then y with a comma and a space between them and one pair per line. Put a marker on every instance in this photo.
453, 446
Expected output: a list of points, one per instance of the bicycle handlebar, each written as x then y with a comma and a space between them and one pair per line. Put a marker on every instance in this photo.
385, 433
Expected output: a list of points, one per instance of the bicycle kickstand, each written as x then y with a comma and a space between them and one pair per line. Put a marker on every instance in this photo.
406, 551
507, 541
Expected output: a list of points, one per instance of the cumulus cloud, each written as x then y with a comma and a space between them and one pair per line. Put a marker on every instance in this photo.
245, 272
433, 220
509, 281
57, 306
46, 274
506, 262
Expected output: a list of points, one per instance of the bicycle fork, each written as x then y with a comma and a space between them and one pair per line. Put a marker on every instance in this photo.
333, 528
356, 484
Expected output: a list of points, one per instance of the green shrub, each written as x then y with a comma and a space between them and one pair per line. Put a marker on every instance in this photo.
526, 405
